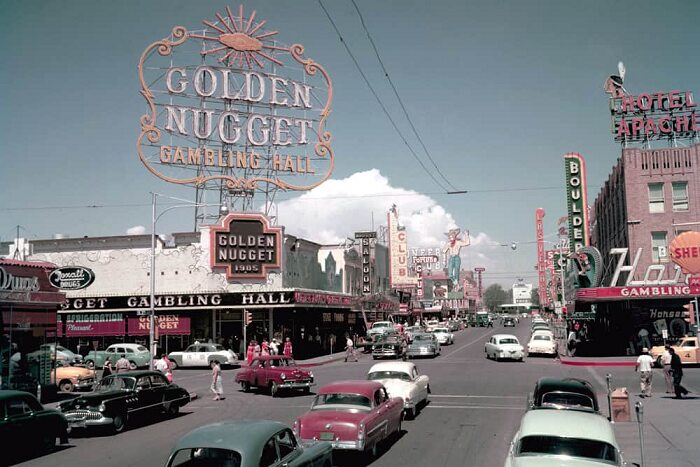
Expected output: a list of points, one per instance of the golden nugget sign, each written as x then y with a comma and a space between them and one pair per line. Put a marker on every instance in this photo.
231, 103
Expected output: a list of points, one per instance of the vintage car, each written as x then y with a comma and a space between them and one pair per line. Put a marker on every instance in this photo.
424, 345
202, 355
56, 352
444, 336
686, 348
482, 318
431, 324
401, 379
563, 393
508, 321
502, 346
73, 378
247, 443
409, 331
27, 427
138, 355
122, 396
352, 415
275, 373
453, 325
542, 343
387, 346
565, 439
379, 328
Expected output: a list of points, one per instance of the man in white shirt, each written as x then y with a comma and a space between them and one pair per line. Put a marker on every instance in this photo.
668, 374
349, 348
644, 363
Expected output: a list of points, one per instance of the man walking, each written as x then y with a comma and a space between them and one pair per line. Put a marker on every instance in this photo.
122, 364
644, 362
677, 369
668, 372
349, 348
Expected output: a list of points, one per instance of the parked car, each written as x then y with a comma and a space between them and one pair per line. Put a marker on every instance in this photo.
138, 355
352, 415
275, 372
119, 397
563, 438
387, 346
27, 427
686, 348
508, 322
247, 443
424, 345
74, 378
202, 355
401, 379
502, 346
542, 343
61, 354
564, 393
379, 328
444, 336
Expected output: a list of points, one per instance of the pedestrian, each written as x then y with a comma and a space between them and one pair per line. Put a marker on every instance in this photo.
644, 338
274, 347
571, 343
107, 368
668, 372
265, 348
249, 352
256, 349
349, 348
287, 348
644, 363
217, 381
677, 369
122, 364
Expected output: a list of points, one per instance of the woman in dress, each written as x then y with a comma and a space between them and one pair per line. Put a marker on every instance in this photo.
217, 381
249, 352
107, 368
287, 348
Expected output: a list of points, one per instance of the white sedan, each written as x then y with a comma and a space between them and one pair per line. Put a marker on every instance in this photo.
502, 346
444, 336
542, 343
401, 379
202, 355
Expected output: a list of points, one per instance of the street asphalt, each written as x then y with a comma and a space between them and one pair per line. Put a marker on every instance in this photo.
474, 411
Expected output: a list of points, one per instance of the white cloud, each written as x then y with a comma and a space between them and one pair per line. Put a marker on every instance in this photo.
136, 230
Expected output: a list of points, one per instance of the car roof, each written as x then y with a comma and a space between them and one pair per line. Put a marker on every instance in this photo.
567, 424
406, 367
360, 387
125, 344
503, 336
232, 435
547, 384
10, 393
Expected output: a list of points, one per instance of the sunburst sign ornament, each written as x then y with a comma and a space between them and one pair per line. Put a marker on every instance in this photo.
230, 103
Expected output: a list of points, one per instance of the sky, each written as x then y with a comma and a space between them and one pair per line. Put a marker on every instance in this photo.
498, 92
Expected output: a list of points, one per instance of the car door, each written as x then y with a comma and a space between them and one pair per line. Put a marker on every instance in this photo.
189, 355
421, 382
688, 349
16, 421
147, 398
287, 448
161, 389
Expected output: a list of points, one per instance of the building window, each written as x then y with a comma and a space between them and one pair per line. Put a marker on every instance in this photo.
680, 196
659, 250
656, 197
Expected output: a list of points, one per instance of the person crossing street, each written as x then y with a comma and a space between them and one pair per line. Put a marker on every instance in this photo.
349, 348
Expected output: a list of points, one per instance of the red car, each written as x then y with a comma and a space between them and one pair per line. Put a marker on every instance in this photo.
352, 415
275, 372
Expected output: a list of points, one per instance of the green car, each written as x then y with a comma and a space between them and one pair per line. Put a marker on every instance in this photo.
247, 443
26, 428
138, 356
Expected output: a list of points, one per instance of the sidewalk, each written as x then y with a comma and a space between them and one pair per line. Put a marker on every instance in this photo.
325, 359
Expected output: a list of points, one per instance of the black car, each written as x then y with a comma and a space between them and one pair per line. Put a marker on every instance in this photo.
26, 425
390, 346
564, 393
508, 321
120, 397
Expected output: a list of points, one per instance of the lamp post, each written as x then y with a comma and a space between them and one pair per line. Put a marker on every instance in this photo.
152, 302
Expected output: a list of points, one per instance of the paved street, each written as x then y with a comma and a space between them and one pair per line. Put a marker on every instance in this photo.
474, 410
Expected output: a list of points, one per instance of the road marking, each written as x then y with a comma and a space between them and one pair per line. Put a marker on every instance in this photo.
480, 339
488, 407
484, 397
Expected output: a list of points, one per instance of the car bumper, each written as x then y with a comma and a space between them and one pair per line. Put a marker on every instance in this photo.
85, 384
419, 352
384, 353
86, 418
296, 384
548, 350
338, 444
514, 355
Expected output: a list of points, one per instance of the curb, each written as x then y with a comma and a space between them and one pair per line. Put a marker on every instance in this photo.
324, 362
565, 361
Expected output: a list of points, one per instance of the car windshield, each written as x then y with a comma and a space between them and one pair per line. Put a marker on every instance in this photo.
569, 399
422, 337
335, 401
115, 383
573, 447
389, 375
205, 457
541, 337
508, 340
275, 362
141, 348
380, 325
440, 330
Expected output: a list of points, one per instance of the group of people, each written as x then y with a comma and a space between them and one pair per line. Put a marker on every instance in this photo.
163, 365
255, 350
673, 372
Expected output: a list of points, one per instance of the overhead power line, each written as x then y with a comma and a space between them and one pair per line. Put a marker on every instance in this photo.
398, 98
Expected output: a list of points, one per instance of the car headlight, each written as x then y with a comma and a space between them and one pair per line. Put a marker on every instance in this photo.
283, 376
102, 407
311, 374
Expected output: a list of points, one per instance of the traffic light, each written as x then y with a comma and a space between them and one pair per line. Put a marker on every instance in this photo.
248, 317
689, 313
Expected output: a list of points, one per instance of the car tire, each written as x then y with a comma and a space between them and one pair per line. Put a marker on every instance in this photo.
375, 357
410, 414
172, 409
274, 389
90, 364
132, 365
119, 423
174, 364
306, 391
66, 386
245, 385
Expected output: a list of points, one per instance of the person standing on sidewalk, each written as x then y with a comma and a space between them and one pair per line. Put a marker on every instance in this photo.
668, 372
644, 362
349, 348
677, 369
287, 348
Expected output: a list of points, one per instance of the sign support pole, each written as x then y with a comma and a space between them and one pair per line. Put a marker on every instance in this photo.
244, 315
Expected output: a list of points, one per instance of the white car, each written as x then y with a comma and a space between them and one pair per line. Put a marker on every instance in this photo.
542, 342
379, 328
444, 336
502, 346
431, 324
565, 438
202, 355
401, 379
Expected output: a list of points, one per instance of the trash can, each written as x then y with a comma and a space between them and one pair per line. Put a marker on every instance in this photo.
621, 405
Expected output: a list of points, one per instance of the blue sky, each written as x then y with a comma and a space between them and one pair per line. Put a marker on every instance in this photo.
499, 91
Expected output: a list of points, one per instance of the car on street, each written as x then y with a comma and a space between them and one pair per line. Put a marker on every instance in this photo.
401, 379
27, 427
409, 331
74, 378
379, 328
58, 351
431, 324
275, 373
482, 318
508, 321
247, 443
138, 355
424, 345
352, 415
504, 346
564, 393
564, 439
122, 396
686, 348
542, 343
444, 336
202, 355
453, 325
387, 346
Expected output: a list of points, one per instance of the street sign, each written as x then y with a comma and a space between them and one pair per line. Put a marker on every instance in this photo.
142, 312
